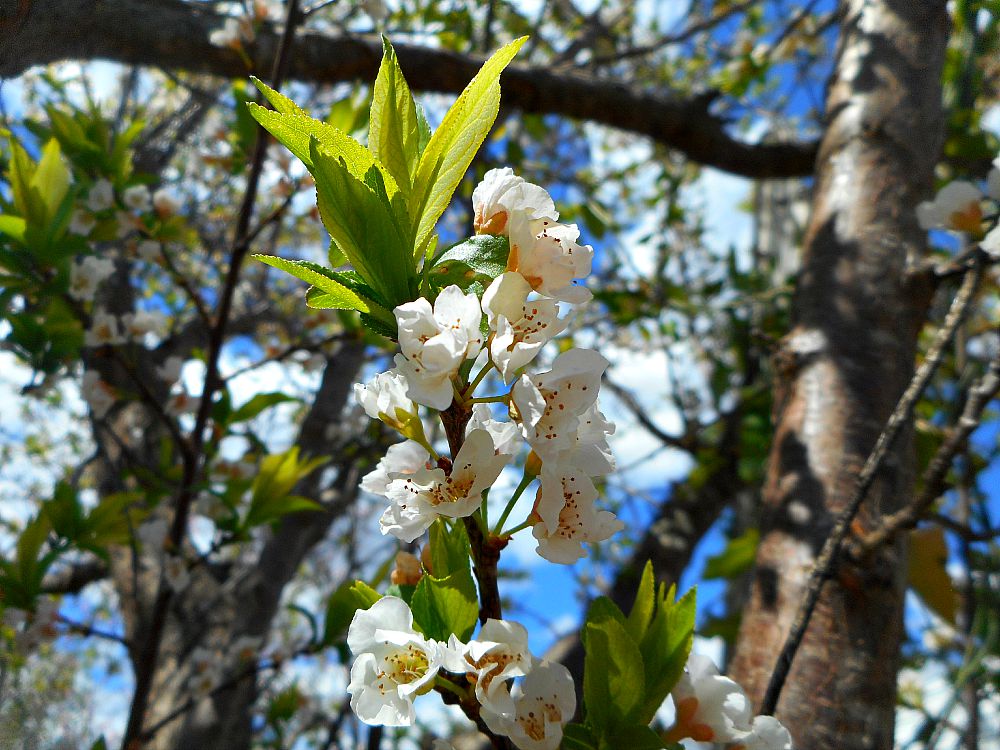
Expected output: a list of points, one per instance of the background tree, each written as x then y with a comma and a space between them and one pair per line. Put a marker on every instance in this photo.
618, 108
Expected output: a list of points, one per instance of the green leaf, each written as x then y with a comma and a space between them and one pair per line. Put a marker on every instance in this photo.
365, 227
665, 648
645, 602
637, 737
402, 591
481, 258
736, 558
393, 131
13, 226
51, 179
293, 128
270, 493
343, 603
449, 549
578, 737
613, 676
330, 291
100, 744
454, 144
446, 606
258, 404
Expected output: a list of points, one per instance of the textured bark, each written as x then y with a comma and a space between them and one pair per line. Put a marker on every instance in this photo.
843, 366
174, 34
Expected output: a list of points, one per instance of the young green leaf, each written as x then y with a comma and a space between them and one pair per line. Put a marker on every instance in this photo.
361, 220
443, 606
449, 549
393, 130
454, 144
258, 404
478, 259
644, 605
270, 493
665, 647
349, 597
334, 294
613, 676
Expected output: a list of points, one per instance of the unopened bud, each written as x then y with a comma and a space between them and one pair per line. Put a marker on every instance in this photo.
407, 571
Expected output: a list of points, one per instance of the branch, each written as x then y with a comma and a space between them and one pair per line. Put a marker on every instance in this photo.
174, 35
934, 480
75, 578
899, 418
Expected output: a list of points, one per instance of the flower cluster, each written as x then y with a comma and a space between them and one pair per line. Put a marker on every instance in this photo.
712, 708
31, 629
556, 412
394, 664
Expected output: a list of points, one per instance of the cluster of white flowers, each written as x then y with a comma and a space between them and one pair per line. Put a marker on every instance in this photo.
556, 412
138, 202
209, 666
958, 207
713, 708
395, 664
87, 274
233, 33
107, 329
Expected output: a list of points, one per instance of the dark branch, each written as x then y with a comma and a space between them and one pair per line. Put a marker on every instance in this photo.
174, 35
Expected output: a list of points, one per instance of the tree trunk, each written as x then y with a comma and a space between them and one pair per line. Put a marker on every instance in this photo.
843, 366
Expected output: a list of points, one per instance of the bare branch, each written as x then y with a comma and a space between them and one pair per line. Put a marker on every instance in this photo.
174, 35
935, 477
899, 418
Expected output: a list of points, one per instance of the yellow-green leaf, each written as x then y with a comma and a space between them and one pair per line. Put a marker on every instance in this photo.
393, 133
453, 145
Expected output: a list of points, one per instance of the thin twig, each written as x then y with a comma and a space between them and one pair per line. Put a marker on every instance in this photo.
899, 418
935, 477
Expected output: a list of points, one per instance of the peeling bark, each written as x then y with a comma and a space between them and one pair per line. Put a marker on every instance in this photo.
842, 368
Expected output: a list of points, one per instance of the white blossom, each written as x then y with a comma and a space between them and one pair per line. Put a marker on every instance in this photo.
377, 10
206, 670
709, 707
41, 626
87, 274
137, 198
500, 194
384, 397
100, 397
400, 460
506, 436
419, 498
766, 733
233, 33
105, 329
101, 196
82, 222
956, 207
568, 515
435, 342
182, 403
991, 242
550, 404
548, 256
522, 326
592, 451
394, 663
139, 323
499, 654
166, 205
543, 703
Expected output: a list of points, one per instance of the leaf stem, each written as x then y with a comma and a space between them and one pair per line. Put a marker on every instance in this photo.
501, 399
